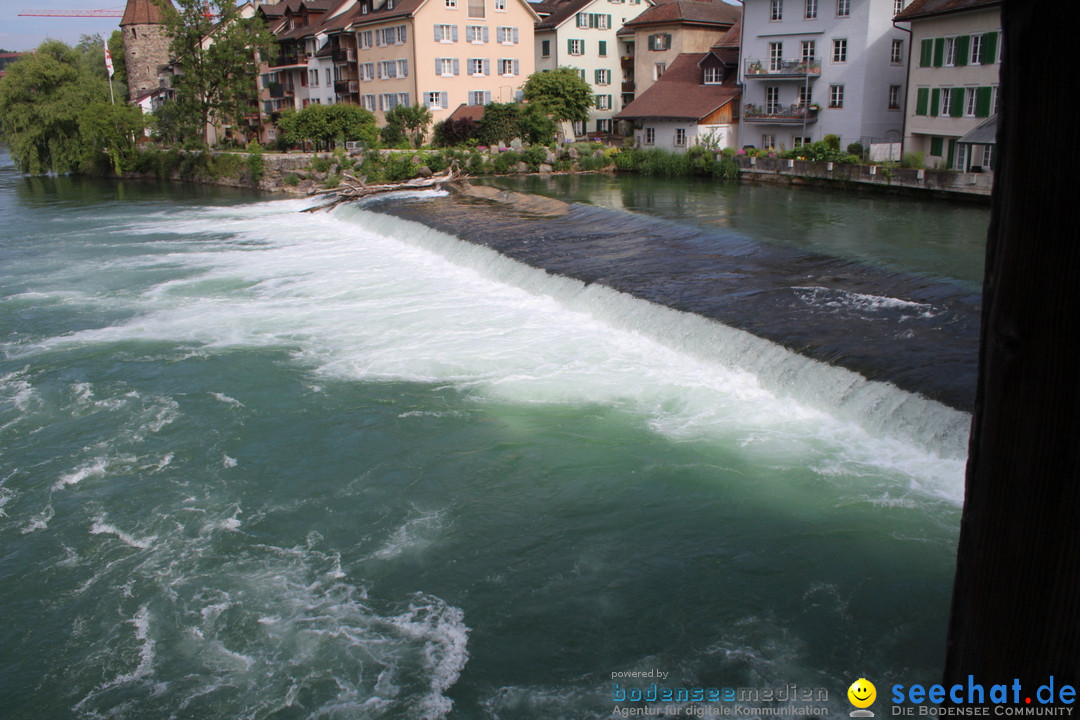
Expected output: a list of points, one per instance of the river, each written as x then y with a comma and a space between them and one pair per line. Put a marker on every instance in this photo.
268, 464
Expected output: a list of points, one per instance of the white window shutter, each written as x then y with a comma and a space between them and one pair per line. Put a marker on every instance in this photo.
487, 66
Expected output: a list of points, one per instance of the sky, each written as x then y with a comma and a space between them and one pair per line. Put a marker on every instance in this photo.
26, 33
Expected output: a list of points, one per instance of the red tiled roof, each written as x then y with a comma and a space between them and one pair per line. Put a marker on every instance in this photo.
919, 9
681, 93
708, 12
559, 11
467, 112
141, 12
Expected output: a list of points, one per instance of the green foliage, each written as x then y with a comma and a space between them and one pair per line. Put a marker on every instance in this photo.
399, 166
322, 125
562, 93
42, 100
292, 180
255, 160
500, 123
449, 133
833, 141
695, 161
535, 156
226, 165
406, 123
109, 133
536, 126
821, 151
912, 160
218, 80
320, 164
351, 123
855, 148
476, 163
505, 161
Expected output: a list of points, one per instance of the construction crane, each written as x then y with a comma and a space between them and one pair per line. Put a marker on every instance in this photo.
106, 13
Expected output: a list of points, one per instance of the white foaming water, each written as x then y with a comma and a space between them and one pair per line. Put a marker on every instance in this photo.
100, 527
369, 297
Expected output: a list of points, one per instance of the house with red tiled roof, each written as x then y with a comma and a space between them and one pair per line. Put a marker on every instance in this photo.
952, 92
695, 101
655, 38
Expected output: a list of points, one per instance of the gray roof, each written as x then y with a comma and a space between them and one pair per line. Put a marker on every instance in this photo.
984, 134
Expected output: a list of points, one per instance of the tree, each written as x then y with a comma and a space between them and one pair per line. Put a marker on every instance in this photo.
562, 93
500, 123
322, 125
406, 122
216, 49
351, 123
109, 133
41, 100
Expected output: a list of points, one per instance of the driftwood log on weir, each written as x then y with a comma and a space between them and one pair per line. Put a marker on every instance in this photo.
355, 188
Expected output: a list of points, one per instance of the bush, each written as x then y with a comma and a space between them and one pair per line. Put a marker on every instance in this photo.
535, 155
320, 164
400, 166
292, 180
912, 160
833, 141
255, 160
449, 133
855, 148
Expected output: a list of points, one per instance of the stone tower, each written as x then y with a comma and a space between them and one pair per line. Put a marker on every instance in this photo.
146, 45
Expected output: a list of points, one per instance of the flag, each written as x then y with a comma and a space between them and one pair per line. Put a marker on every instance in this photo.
108, 61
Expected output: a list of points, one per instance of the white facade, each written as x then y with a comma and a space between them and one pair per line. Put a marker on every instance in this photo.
678, 135
812, 68
586, 41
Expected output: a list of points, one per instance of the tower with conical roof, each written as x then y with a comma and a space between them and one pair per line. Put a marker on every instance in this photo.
146, 45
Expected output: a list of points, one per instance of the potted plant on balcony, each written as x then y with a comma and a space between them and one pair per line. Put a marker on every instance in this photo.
756, 68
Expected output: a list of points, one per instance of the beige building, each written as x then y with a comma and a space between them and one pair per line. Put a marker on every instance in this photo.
383, 53
953, 81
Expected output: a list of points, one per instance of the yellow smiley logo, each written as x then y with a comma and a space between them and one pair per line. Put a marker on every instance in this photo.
862, 693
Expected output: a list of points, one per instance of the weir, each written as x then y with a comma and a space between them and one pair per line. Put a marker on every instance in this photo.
614, 267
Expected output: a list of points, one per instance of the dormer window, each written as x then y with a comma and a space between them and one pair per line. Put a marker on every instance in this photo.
389, 4
714, 75
365, 8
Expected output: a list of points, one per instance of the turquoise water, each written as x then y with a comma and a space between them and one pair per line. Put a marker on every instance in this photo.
260, 463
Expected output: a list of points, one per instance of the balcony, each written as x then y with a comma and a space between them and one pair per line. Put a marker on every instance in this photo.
627, 62
293, 60
780, 114
277, 90
628, 86
777, 68
344, 55
347, 87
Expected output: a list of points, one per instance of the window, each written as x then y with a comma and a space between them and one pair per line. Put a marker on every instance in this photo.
479, 97
476, 34
650, 136
809, 52
388, 101
658, 70
799, 141
772, 100
896, 55
839, 51
446, 67
451, 4
836, 96
894, 97
805, 98
476, 9
314, 77
976, 50
364, 39
937, 146
897, 6
478, 67
403, 99
602, 50
776, 56
950, 51
446, 33
970, 101
509, 68
603, 125
599, 21
545, 48
714, 75
500, 5
811, 10
603, 102
660, 41
403, 68
368, 102
582, 20
843, 8
576, 47
367, 71
509, 36
987, 156
680, 137
768, 141
329, 77
776, 10
603, 77
436, 100
946, 102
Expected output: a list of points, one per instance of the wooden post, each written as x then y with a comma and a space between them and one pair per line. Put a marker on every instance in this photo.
1016, 599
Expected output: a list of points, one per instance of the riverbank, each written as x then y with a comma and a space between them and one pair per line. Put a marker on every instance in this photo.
303, 174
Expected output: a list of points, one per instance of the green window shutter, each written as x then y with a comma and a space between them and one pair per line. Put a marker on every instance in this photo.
935, 101
922, 98
609, 22
989, 54
957, 102
926, 54
963, 49
570, 46
952, 152
937, 144
982, 101
596, 77
939, 52
603, 48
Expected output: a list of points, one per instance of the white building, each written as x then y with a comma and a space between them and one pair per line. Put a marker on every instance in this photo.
812, 68
581, 34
